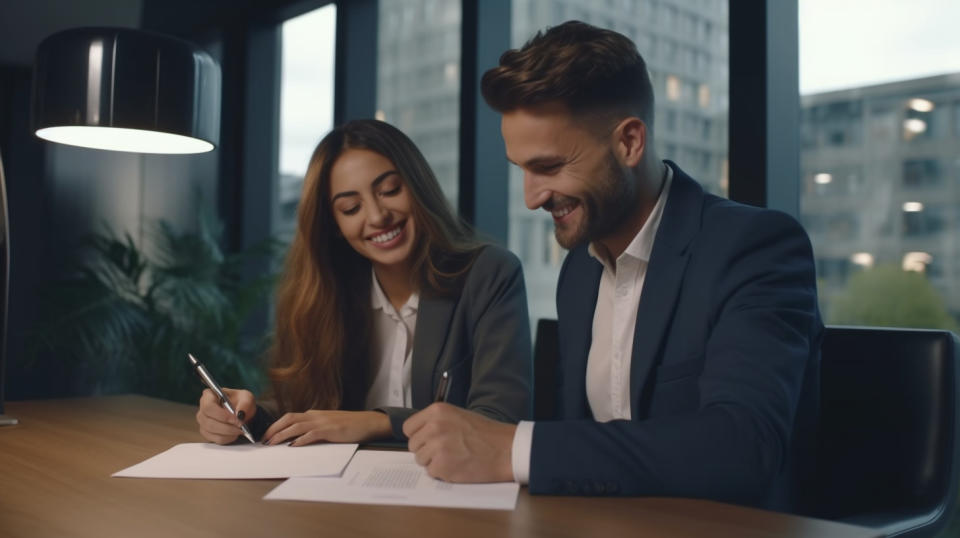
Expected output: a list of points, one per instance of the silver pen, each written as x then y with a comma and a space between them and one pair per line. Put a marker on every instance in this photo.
443, 389
215, 387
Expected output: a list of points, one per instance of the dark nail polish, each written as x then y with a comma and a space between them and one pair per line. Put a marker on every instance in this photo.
240, 415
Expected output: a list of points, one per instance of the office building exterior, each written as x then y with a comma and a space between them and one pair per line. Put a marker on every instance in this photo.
881, 181
683, 41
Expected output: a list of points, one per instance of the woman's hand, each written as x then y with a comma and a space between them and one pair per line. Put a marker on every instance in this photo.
219, 425
330, 426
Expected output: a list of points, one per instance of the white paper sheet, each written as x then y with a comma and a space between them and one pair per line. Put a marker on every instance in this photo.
387, 477
207, 460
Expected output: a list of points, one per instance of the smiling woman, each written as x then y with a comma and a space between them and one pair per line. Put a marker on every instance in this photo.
385, 293
372, 208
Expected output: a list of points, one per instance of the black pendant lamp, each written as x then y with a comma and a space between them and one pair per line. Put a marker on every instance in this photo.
126, 90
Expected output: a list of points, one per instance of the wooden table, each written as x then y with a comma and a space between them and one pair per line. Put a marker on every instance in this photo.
55, 469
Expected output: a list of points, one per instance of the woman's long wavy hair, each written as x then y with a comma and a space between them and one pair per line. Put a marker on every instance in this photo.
323, 315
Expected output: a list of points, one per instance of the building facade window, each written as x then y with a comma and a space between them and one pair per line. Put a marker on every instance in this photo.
921, 173
418, 80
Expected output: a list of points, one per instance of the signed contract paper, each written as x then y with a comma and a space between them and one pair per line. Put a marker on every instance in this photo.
382, 477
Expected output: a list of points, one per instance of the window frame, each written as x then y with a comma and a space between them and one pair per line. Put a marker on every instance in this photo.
764, 107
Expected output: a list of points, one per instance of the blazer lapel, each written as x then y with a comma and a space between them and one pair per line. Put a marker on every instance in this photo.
575, 336
661, 286
433, 320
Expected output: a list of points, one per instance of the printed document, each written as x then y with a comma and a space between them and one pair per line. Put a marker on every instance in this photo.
388, 477
207, 460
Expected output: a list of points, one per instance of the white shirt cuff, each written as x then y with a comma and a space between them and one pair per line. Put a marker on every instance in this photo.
520, 453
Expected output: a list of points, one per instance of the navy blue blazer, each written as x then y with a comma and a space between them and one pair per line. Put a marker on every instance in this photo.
728, 331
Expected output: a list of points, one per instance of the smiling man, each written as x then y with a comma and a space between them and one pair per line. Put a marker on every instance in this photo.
689, 328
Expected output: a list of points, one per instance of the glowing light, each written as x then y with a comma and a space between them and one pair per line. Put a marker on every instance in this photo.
118, 139
451, 73
673, 88
912, 207
380, 115
914, 125
916, 261
863, 259
921, 105
822, 178
703, 96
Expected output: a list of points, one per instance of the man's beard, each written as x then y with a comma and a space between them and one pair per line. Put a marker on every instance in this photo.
605, 207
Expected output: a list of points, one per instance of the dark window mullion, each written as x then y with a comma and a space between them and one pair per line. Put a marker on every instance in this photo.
484, 173
764, 112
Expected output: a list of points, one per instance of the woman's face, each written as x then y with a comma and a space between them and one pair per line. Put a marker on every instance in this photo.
372, 208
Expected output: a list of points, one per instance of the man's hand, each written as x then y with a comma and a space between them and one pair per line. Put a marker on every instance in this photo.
330, 426
457, 445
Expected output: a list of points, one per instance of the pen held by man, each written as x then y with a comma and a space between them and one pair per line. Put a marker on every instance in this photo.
443, 388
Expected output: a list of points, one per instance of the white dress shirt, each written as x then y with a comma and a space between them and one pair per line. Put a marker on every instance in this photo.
614, 321
392, 348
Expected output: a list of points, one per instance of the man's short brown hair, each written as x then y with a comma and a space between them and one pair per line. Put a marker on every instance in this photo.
588, 69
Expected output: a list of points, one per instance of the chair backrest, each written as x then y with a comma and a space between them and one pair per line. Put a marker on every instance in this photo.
888, 436
545, 358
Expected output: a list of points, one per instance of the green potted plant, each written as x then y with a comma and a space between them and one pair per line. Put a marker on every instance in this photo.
125, 316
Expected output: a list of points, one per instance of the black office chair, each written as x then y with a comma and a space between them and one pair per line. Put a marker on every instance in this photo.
888, 439
888, 435
545, 359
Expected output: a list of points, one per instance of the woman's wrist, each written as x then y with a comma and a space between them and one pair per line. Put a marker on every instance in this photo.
378, 425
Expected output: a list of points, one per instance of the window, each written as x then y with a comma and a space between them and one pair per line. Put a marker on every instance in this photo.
880, 186
690, 80
925, 221
919, 120
306, 104
418, 80
920, 173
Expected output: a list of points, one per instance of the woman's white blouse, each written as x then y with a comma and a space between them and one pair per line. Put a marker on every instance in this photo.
391, 349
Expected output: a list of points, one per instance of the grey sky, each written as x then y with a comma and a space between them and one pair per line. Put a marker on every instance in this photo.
843, 44
306, 100
847, 43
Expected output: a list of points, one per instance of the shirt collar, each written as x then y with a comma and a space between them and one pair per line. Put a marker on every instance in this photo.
379, 301
642, 244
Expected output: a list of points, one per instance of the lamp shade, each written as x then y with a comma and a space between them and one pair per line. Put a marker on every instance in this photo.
126, 90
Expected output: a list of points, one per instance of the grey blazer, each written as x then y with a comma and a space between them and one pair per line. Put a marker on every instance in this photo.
482, 337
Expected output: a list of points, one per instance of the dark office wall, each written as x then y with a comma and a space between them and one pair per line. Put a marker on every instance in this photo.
30, 229
24, 23
57, 193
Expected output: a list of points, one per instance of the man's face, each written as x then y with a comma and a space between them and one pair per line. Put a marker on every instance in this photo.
570, 171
